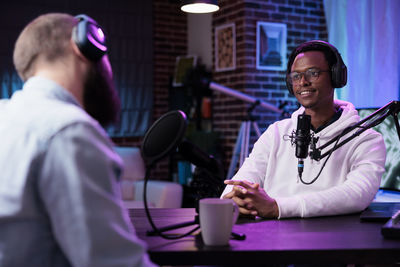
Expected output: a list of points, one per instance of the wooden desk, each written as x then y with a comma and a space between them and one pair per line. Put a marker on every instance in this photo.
337, 239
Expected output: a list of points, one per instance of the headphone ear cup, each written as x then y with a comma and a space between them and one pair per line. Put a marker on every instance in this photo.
89, 38
79, 34
334, 76
339, 75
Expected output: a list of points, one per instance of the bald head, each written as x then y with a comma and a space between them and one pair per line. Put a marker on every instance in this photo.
46, 38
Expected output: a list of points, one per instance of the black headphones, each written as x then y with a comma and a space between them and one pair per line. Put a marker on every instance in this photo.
338, 70
89, 38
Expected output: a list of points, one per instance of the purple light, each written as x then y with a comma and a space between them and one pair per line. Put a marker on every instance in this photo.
97, 37
100, 34
96, 43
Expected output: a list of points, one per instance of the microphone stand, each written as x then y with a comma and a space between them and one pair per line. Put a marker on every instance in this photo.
159, 231
173, 227
392, 108
234, 235
214, 167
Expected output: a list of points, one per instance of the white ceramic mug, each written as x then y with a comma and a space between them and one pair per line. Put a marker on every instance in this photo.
217, 217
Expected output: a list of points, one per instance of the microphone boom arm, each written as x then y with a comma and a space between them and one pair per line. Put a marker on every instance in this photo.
392, 108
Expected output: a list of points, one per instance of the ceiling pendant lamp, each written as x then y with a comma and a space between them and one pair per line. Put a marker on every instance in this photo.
199, 6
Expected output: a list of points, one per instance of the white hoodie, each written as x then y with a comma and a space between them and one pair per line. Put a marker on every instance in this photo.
348, 182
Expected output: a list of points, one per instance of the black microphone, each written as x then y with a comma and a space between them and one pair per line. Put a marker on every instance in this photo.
302, 140
198, 157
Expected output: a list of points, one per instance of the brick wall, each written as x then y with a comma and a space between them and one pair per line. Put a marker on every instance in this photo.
170, 41
305, 21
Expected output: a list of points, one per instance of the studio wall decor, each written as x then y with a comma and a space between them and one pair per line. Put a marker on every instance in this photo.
271, 46
225, 47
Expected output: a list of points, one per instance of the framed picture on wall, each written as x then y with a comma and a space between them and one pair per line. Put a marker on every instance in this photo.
182, 65
271, 46
225, 47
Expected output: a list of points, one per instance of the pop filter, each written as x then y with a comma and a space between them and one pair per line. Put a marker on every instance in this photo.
163, 136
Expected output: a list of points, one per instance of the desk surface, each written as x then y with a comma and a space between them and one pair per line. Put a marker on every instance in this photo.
336, 239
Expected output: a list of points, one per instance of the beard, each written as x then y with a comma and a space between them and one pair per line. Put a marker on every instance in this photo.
100, 99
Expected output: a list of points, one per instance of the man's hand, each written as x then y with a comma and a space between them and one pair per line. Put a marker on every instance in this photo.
251, 199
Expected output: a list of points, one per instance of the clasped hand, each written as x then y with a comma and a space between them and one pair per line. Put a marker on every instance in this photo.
251, 199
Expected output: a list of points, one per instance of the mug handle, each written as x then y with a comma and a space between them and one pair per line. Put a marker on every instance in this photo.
235, 217
235, 212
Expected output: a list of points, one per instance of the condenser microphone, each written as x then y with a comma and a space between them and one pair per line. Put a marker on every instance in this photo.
196, 156
302, 140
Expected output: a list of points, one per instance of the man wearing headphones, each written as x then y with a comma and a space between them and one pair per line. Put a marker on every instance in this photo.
268, 184
60, 202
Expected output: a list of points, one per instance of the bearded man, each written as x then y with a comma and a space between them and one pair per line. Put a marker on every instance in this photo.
60, 202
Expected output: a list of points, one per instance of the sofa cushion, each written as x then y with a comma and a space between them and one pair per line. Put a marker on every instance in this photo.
134, 167
160, 194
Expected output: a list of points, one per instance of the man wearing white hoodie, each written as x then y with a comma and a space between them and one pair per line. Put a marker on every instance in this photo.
267, 184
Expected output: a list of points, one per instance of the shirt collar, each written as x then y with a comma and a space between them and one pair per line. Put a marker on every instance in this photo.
50, 89
334, 118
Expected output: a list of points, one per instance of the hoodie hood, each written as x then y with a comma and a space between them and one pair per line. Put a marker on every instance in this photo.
349, 117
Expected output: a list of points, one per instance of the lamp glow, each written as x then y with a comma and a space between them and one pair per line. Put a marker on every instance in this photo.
199, 6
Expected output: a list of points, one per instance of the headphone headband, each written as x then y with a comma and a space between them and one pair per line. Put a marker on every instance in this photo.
338, 70
89, 38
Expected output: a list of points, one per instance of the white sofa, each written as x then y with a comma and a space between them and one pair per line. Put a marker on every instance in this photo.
160, 194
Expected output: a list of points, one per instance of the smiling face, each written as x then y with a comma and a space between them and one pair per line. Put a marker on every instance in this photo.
313, 95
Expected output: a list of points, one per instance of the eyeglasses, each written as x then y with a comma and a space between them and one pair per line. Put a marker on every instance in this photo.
311, 75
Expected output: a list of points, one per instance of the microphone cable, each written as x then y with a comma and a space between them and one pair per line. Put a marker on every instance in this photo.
156, 230
323, 165
300, 164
